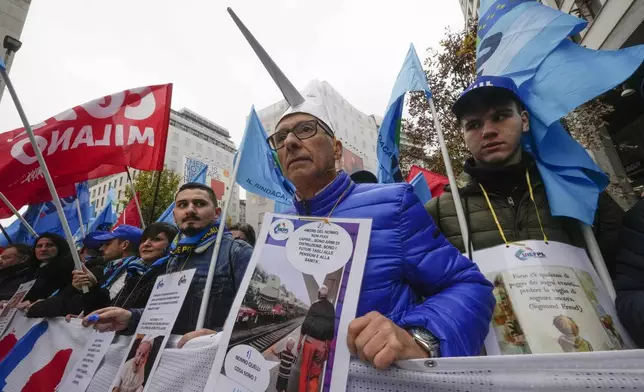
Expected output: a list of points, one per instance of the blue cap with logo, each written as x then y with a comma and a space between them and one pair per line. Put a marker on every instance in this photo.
122, 232
486, 84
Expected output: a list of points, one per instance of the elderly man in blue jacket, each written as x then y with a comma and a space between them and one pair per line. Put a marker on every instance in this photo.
420, 296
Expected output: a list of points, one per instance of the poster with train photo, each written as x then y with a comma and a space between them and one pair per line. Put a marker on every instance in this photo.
549, 299
291, 308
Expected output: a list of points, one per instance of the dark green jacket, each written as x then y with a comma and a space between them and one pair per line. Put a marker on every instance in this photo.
519, 220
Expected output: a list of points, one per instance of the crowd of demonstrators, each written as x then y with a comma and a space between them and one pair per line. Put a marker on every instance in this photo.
629, 283
420, 296
140, 275
52, 265
14, 269
118, 249
196, 214
493, 120
244, 232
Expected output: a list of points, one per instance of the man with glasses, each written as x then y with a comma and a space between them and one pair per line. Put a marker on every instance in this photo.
420, 297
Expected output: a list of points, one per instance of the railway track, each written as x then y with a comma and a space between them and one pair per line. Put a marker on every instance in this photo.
262, 338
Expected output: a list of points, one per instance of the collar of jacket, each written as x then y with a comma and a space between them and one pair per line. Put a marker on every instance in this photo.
322, 203
468, 185
18, 268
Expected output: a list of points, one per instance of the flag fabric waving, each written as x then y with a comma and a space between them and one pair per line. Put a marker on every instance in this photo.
130, 215
107, 217
44, 218
421, 188
436, 182
92, 140
167, 215
259, 170
411, 78
527, 42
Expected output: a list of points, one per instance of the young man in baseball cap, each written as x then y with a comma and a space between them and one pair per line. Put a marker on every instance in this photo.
494, 120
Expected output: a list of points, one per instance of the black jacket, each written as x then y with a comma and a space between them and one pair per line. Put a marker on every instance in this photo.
55, 275
629, 282
69, 299
320, 320
12, 277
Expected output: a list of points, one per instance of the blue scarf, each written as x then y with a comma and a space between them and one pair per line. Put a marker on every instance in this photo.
116, 267
183, 246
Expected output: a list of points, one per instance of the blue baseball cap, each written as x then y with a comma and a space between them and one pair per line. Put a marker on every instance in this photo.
122, 232
483, 85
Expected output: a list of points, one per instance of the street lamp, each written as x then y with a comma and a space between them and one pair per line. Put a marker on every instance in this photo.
12, 45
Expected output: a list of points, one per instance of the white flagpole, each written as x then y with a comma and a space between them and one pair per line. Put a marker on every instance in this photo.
45, 171
598, 259
18, 214
80, 217
215, 253
460, 214
136, 199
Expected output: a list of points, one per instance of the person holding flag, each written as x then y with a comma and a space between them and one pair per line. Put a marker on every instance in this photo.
420, 297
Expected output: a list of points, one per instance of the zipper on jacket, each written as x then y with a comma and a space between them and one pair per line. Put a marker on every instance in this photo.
306, 207
511, 201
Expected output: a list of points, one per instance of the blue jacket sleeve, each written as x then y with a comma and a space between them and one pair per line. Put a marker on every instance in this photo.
458, 300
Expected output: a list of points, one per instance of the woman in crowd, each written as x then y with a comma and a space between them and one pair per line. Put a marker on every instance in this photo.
244, 232
141, 273
52, 264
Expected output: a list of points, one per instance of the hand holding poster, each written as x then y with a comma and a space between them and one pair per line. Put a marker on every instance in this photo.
548, 300
288, 325
153, 332
9, 310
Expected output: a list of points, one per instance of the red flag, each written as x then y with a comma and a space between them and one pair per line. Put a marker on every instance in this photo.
219, 188
130, 215
88, 141
435, 181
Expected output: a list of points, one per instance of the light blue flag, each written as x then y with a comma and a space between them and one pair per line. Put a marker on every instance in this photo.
527, 42
421, 188
43, 217
199, 177
259, 170
107, 217
410, 78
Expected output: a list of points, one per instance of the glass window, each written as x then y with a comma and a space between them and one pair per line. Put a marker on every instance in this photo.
175, 151
187, 142
93, 193
173, 165
209, 150
115, 181
119, 196
364, 144
199, 148
175, 136
121, 181
218, 155
104, 188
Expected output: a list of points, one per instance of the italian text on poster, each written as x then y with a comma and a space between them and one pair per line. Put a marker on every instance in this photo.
291, 308
549, 299
9, 309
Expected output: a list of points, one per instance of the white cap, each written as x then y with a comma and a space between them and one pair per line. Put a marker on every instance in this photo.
324, 291
310, 102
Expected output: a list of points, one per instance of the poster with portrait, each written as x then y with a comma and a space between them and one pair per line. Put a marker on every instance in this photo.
287, 328
9, 309
549, 299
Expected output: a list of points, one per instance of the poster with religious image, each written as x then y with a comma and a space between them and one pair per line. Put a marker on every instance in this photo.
287, 328
549, 299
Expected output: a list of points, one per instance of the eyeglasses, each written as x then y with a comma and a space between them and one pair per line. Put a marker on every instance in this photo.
302, 131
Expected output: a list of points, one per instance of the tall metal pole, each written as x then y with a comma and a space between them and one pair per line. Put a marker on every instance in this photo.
45, 171
598, 259
460, 213
156, 193
80, 217
136, 199
215, 253
18, 215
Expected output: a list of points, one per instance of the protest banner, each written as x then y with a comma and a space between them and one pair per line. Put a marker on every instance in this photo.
292, 304
9, 309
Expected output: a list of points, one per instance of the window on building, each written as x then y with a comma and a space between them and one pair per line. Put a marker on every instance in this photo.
119, 196
115, 181
173, 165
187, 142
93, 193
587, 9
199, 147
364, 145
121, 181
175, 136
209, 151
261, 218
218, 155
104, 188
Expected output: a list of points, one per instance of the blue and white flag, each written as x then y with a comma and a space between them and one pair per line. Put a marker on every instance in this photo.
527, 42
259, 170
43, 217
421, 187
410, 78
200, 177
107, 217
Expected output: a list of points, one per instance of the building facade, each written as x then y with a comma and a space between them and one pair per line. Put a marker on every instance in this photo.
242, 211
357, 131
13, 14
190, 137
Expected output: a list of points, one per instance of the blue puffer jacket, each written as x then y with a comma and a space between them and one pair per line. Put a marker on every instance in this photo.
413, 275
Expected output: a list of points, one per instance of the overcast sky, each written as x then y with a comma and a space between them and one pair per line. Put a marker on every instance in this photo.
77, 50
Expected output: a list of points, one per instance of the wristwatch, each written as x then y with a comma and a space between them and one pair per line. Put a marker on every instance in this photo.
426, 340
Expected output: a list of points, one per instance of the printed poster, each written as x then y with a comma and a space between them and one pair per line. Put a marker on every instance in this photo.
153, 332
287, 328
549, 299
9, 310
216, 177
